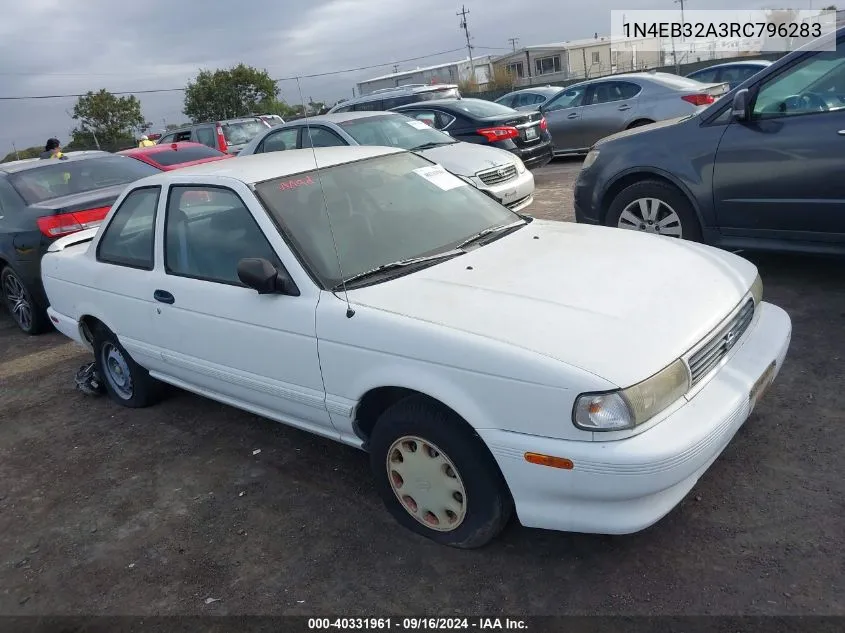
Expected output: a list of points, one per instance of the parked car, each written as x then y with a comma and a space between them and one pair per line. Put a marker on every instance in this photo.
485, 361
175, 155
732, 73
588, 111
42, 200
523, 134
760, 169
529, 98
228, 136
388, 98
495, 171
271, 119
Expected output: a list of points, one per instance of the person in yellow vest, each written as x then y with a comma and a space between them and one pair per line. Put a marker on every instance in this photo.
53, 149
146, 142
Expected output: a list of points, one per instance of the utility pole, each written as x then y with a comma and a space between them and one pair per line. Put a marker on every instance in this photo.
514, 41
14, 147
463, 15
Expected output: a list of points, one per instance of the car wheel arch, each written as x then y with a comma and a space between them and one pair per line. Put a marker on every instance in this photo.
631, 177
88, 325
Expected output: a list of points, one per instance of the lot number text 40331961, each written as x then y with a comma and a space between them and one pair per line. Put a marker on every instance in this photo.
417, 624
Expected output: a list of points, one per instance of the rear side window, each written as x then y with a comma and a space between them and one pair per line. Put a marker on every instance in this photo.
705, 76
184, 155
130, 236
368, 106
442, 93
56, 178
242, 132
207, 136
181, 137
321, 137
481, 109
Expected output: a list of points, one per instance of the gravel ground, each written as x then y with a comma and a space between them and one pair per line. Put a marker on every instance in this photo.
105, 510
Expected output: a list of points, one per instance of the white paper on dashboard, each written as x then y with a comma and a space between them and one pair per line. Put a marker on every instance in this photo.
439, 177
419, 125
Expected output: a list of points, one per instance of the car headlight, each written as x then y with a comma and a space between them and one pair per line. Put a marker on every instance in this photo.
628, 408
520, 166
592, 155
757, 290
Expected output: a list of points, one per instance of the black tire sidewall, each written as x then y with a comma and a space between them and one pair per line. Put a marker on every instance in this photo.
144, 391
671, 195
40, 323
489, 505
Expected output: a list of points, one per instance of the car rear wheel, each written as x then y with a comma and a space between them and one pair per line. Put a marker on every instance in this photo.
436, 477
652, 206
127, 383
28, 315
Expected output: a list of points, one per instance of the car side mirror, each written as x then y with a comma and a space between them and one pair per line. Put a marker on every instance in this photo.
741, 106
259, 274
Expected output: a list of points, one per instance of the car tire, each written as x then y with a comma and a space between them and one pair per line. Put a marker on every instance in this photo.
626, 208
127, 383
28, 315
432, 444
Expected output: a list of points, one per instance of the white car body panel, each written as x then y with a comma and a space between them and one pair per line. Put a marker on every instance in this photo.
507, 335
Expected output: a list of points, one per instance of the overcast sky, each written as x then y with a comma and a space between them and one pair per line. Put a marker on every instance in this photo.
65, 46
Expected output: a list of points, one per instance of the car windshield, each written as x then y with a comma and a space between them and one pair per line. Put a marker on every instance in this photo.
242, 132
480, 108
57, 178
394, 130
170, 157
383, 210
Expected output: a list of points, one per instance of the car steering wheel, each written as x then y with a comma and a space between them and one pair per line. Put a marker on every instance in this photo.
804, 102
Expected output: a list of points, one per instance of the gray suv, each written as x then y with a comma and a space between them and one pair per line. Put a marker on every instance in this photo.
229, 136
388, 98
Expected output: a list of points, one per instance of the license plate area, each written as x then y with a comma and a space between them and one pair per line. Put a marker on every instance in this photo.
531, 133
762, 383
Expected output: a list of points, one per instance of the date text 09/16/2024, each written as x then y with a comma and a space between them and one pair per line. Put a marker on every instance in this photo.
416, 624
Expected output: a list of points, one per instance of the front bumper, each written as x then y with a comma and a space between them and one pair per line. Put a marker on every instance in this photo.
623, 486
515, 194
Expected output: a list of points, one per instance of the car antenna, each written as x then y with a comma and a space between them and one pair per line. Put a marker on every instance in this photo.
349, 311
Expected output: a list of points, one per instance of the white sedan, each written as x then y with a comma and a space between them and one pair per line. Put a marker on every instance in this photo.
585, 377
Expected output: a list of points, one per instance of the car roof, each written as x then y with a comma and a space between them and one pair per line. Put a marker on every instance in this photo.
537, 90
243, 119
437, 102
24, 165
261, 167
336, 117
161, 147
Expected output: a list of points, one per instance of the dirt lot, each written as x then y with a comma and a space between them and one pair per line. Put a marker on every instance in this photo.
106, 510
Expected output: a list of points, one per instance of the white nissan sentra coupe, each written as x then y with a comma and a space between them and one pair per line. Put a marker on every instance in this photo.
583, 377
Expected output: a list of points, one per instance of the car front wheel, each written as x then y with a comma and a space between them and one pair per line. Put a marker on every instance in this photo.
436, 477
652, 206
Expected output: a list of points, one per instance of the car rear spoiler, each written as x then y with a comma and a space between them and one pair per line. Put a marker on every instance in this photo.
74, 238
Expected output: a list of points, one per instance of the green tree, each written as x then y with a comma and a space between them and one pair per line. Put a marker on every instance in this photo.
29, 152
229, 93
105, 119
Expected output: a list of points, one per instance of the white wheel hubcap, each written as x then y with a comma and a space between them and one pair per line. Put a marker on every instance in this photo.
651, 215
426, 483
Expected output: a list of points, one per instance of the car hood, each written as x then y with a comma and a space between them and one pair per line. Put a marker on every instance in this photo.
619, 304
645, 129
467, 159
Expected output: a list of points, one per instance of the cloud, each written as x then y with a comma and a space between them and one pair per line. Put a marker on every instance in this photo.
62, 47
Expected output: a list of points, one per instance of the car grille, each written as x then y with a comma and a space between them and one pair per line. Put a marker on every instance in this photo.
705, 359
497, 174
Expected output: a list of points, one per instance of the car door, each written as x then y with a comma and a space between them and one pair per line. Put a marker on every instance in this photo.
220, 337
125, 277
779, 174
279, 141
563, 116
609, 107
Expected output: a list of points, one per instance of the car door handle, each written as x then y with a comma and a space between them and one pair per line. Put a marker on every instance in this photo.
574, 115
163, 296
624, 107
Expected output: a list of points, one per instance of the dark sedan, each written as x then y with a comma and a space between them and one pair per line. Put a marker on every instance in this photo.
42, 200
478, 121
759, 169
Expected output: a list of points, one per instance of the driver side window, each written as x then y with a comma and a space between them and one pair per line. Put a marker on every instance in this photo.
130, 236
571, 98
814, 85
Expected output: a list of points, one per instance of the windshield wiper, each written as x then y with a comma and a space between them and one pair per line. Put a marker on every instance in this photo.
402, 263
492, 230
431, 145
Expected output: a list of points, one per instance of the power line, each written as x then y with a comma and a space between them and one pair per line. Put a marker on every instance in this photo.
463, 15
291, 78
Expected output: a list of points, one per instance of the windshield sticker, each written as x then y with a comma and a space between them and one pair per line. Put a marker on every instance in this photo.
294, 184
420, 125
439, 177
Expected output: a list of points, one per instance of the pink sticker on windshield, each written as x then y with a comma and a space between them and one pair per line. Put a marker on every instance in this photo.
294, 184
